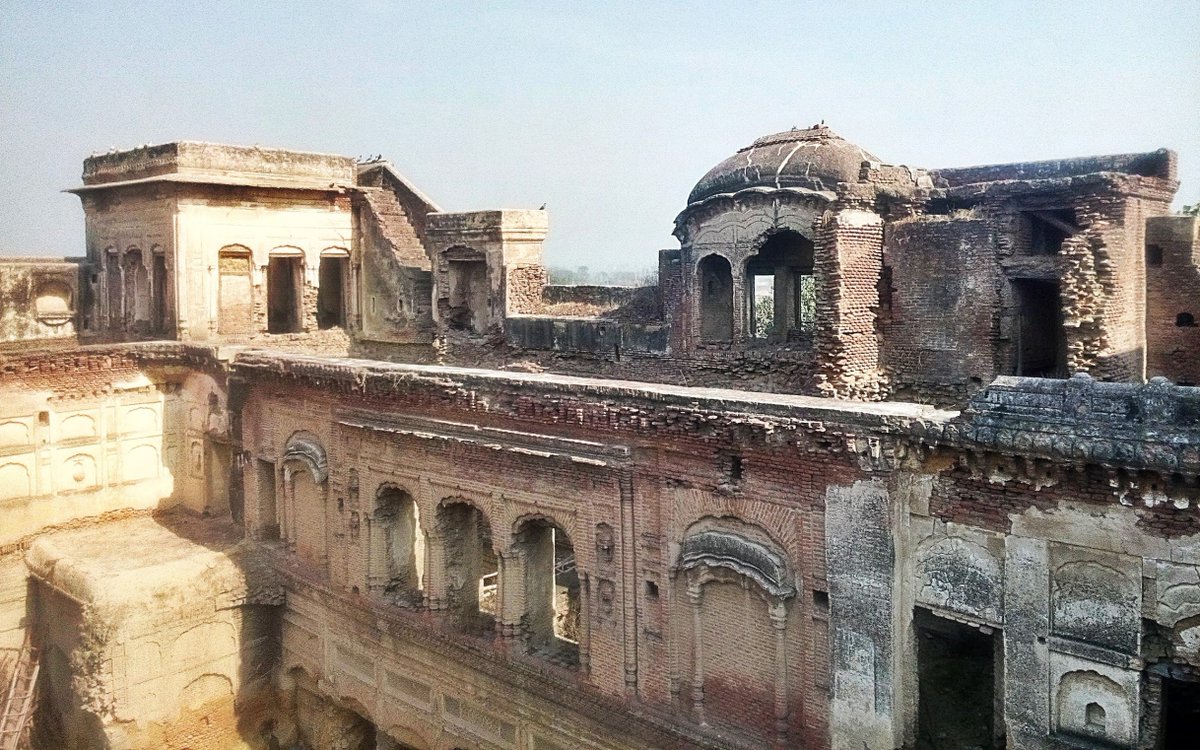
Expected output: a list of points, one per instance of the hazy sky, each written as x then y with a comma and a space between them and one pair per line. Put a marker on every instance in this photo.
608, 112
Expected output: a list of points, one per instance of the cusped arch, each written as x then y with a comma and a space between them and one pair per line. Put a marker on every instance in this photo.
546, 517
234, 250
305, 449
746, 550
483, 508
389, 486
77, 426
14, 433
14, 481
1078, 691
205, 689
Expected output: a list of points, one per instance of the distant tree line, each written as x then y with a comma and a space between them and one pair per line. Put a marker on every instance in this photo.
583, 275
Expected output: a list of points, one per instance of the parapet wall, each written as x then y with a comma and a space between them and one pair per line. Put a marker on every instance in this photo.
1137, 426
1161, 163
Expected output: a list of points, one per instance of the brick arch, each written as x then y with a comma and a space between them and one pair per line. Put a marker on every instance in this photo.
569, 526
480, 504
306, 449
386, 485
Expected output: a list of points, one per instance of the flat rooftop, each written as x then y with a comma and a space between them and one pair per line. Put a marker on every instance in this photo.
218, 164
136, 559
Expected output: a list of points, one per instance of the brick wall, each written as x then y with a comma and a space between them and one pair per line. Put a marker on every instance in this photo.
1173, 289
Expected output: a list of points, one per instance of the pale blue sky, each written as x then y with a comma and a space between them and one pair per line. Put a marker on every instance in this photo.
608, 112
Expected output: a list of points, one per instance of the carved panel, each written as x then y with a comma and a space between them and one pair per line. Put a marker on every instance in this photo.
1094, 602
961, 576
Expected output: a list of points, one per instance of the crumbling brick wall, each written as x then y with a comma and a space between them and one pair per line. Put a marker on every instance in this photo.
847, 266
1172, 255
524, 291
938, 342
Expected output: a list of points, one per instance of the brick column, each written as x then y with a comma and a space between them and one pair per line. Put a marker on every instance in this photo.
779, 615
510, 592
629, 580
695, 592
435, 570
847, 264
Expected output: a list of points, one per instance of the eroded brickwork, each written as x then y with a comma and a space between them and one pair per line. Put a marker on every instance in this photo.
239, 546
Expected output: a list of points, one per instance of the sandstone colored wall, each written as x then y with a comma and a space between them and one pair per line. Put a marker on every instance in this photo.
40, 299
164, 641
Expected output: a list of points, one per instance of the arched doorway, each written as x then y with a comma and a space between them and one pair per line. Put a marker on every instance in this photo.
397, 547
716, 299
551, 591
471, 570
780, 290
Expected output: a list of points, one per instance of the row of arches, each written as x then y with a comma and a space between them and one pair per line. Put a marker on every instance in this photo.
777, 290
526, 586
137, 293
284, 285
519, 579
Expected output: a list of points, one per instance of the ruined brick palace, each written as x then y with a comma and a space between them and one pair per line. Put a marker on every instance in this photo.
889, 457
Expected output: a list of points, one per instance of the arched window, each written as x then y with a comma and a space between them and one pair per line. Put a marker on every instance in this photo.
780, 293
1094, 717
331, 289
1185, 320
305, 473
397, 547
551, 591
471, 570
716, 299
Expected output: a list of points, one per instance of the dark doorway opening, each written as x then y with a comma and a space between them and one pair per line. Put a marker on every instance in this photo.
956, 675
115, 288
331, 293
1048, 229
137, 293
1041, 350
551, 620
1180, 714
779, 282
217, 464
158, 310
283, 295
268, 519
471, 567
468, 295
